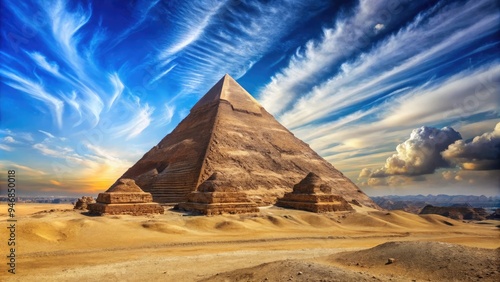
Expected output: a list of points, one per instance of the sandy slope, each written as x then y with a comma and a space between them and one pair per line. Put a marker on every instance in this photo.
67, 245
429, 261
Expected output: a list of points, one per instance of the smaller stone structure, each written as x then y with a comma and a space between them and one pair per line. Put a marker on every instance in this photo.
83, 202
125, 197
310, 194
216, 196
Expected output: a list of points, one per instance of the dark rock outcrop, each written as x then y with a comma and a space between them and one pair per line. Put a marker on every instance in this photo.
456, 212
495, 215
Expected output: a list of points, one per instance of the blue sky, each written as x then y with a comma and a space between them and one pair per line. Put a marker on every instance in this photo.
402, 96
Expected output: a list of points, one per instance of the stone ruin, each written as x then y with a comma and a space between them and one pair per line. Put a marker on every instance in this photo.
217, 196
125, 197
83, 202
311, 194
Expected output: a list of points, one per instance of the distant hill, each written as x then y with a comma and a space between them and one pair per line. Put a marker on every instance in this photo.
457, 212
439, 200
462, 204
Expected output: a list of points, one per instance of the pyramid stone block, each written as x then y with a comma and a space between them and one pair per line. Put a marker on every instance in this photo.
218, 196
311, 194
125, 197
228, 131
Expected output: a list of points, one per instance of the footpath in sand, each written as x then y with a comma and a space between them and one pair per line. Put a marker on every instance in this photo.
274, 244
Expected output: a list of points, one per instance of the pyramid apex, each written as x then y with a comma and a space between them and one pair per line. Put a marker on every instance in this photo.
227, 89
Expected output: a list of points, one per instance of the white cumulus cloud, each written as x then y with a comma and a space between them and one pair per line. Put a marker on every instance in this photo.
419, 154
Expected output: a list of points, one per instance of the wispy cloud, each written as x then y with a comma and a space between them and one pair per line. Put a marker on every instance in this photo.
118, 88
48, 134
24, 136
44, 149
35, 90
5, 148
77, 79
162, 74
141, 11
369, 76
228, 37
192, 19
348, 36
168, 114
137, 123
26, 170
65, 26
42, 62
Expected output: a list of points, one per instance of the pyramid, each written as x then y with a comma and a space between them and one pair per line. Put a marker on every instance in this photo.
214, 197
310, 194
125, 197
228, 131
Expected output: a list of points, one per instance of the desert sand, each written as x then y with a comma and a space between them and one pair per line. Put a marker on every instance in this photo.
273, 245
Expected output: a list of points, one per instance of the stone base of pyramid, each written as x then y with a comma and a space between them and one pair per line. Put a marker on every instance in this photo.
132, 209
125, 197
216, 196
310, 194
219, 208
314, 203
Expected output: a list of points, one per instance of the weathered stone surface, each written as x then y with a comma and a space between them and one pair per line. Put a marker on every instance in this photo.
125, 185
131, 209
230, 132
216, 196
125, 197
83, 202
311, 184
311, 194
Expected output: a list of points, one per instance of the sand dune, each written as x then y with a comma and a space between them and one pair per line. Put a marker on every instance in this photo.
291, 270
64, 245
426, 260
431, 261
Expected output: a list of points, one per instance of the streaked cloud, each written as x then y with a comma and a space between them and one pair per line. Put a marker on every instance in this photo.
369, 76
42, 62
136, 124
117, 87
44, 149
192, 19
5, 148
36, 91
168, 114
314, 60
48, 134
55, 182
26, 170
